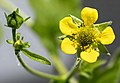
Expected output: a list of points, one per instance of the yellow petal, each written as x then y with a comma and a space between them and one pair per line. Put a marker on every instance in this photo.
89, 15
68, 46
89, 55
67, 26
107, 36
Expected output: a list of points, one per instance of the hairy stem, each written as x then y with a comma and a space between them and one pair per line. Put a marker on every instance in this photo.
74, 69
35, 72
14, 35
29, 69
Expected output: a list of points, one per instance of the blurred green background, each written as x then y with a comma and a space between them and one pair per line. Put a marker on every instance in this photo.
42, 32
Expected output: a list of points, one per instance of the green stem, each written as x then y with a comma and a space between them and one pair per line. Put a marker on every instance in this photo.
61, 68
74, 69
14, 35
29, 69
58, 64
35, 72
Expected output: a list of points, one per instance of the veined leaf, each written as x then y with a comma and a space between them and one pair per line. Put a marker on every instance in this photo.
87, 69
110, 73
36, 57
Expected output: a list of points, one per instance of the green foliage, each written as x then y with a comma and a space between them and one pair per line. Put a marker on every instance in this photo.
87, 69
109, 73
112, 72
36, 57
48, 14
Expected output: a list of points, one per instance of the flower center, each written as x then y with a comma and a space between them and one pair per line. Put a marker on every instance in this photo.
86, 36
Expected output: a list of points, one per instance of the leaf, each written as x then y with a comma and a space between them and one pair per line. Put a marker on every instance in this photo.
87, 69
103, 25
48, 14
36, 57
110, 73
103, 49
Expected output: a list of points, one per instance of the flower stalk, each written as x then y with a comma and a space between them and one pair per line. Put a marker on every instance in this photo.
36, 72
74, 69
29, 69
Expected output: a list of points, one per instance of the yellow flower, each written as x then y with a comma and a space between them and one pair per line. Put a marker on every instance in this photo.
86, 36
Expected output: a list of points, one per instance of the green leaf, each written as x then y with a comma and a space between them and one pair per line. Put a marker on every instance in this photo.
36, 57
87, 69
103, 25
103, 49
110, 73
76, 20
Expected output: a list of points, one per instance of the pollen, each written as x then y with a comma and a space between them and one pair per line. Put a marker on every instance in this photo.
86, 36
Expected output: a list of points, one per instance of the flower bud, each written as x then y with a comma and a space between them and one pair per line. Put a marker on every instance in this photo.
14, 20
18, 44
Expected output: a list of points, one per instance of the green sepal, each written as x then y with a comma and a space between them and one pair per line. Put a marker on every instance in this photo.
78, 52
19, 44
26, 19
76, 20
17, 10
6, 16
9, 41
36, 57
14, 20
65, 36
103, 25
62, 37
103, 49
26, 45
